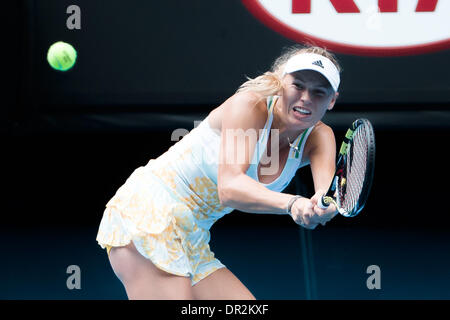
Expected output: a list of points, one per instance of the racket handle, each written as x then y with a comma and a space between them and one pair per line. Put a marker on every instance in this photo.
321, 204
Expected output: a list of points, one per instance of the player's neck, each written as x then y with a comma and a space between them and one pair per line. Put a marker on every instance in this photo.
286, 135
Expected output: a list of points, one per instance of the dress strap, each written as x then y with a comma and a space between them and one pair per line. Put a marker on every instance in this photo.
262, 141
271, 100
299, 144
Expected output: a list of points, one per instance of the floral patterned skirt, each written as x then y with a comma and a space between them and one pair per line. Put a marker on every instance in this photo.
169, 230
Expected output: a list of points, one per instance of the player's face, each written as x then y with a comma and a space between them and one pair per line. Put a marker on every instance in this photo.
306, 96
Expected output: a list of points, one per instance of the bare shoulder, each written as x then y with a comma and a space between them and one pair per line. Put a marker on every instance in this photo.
246, 102
322, 130
321, 135
244, 110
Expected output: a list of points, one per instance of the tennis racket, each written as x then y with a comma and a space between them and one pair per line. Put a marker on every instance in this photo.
352, 180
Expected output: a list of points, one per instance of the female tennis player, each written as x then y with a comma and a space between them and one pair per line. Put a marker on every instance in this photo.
242, 155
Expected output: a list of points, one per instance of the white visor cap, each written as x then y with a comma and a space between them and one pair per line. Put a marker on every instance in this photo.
316, 62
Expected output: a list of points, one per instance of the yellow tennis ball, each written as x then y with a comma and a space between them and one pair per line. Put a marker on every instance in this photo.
61, 56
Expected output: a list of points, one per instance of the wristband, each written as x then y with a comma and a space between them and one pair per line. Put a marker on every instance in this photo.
291, 202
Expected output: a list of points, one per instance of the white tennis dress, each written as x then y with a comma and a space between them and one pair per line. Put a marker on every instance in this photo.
168, 206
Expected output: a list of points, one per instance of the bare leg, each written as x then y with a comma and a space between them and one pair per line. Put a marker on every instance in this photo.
222, 284
143, 280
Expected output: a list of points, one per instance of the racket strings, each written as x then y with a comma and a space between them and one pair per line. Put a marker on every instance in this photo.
351, 184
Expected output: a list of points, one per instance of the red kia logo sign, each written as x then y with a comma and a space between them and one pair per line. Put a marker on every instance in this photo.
363, 27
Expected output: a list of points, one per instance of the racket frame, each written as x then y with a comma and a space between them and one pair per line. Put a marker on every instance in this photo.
329, 198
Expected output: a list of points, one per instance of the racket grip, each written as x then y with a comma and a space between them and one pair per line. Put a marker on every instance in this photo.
321, 204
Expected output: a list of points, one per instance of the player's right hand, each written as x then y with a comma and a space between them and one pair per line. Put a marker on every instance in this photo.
302, 212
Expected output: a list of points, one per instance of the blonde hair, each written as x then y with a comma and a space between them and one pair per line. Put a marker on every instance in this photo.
270, 83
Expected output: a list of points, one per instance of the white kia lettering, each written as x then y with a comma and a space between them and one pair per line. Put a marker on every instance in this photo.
349, 6
366, 27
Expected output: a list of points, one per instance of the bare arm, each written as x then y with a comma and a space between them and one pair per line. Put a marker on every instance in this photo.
246, 114
321, 151
322, 156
